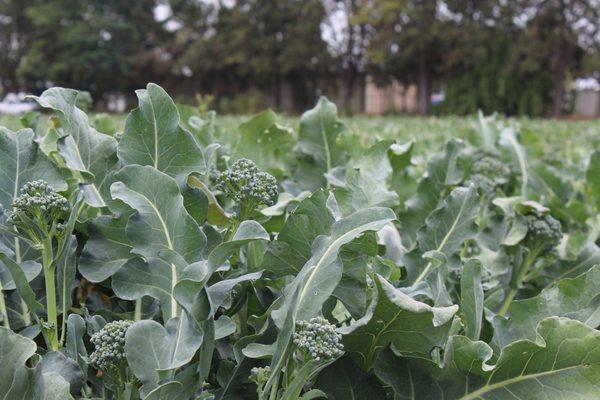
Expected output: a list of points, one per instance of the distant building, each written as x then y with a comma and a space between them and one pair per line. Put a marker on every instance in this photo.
394, 97
587, 97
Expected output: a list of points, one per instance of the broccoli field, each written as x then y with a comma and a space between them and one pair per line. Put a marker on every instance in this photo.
173, 254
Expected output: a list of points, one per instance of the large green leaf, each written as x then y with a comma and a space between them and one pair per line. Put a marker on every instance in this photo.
22, 161
564, 363
107, 248
89, 153
265, 142
442, 171
161, 221
317, 136
343, 380
291, 250
322, 272
153, 137
412, 327
445, 231
576, 298
46, 381
161, 224
367, 180
154, 352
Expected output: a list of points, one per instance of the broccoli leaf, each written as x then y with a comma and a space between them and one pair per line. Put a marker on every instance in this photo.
153, 137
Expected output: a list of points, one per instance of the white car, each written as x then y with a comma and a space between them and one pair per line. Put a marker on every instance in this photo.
16, 104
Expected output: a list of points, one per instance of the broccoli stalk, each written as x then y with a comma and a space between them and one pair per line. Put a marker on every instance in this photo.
109, 354
39, 216
248, 187
543, 235
316, 345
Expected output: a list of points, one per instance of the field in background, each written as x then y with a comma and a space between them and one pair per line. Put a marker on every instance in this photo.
566, 139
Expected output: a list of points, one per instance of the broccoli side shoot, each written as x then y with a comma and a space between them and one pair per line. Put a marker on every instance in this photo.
248, 187
109, 344
39, 213
109, 354
543, 233
318, 340
488, 172
260, 376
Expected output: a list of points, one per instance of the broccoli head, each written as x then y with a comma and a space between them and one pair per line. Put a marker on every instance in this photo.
260, 376
488, 172
247, 186
543, 232
109, 343
318, 340
39, 212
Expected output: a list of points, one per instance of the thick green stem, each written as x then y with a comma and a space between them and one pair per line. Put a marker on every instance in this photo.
24, 308
507, 301
50, 281
274, 389
518, 279
137, 314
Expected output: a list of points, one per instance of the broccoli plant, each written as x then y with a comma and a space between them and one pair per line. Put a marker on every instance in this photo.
248, 187
109, 355
317, 344
489, 173
543, 235
41, 217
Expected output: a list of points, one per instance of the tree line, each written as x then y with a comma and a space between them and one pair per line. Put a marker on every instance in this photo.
516, 56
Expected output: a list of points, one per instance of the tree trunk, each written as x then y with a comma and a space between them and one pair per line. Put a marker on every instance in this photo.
423, 90
560, 66
348, 89
277, 95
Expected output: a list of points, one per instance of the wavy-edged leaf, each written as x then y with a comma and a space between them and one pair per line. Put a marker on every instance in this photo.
91, 154
291, 250
445, 231
343, 380
265, 142
153, 136
412, 327
563, 363
154, 352
18, 381
161, 223
442, 171
367, 180
317, 136
107, 248
575, 298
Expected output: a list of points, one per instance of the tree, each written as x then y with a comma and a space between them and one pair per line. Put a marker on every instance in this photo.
406, 42
565, 30
100, 46
14, 32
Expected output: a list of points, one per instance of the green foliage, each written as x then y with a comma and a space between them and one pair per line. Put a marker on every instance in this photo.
396, 277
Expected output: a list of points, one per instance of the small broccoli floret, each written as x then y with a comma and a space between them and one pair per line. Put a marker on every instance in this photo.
488, 172
248, 187
260, 376
109, 342
39, 212
318, 340
543, 232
